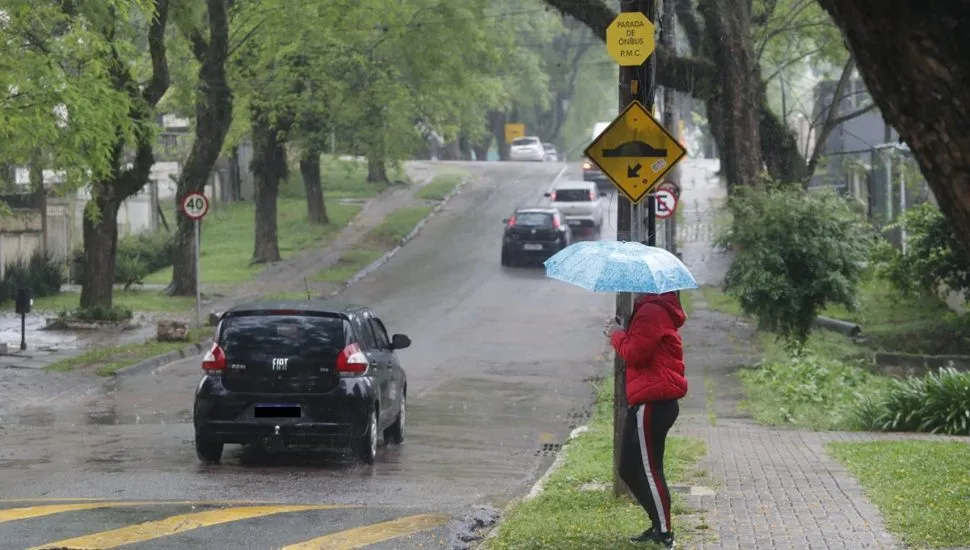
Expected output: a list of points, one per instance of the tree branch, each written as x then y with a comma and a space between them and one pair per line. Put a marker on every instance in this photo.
158, 84
831, 118
789, 63
857, 113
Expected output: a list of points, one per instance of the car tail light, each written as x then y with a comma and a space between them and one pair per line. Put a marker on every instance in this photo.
592, 195
352, 361
512, 222
587, 166
555, 223
215, 360
552, 197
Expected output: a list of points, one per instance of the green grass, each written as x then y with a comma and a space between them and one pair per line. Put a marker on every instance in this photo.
382, 238
719, 301
566, 517
348, 265
227, 238
397, 225
687, 301
341, 179
287, 296
135, 300
922, 488
106, 361
440, 186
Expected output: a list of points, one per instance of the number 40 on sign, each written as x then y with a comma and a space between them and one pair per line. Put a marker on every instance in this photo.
195, 206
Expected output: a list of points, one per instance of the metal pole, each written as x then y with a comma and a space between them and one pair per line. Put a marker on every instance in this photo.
668, 28
23, 331
198, 278
636, 83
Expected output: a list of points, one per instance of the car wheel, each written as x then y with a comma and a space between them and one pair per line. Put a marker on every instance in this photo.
395, 433
506, 258
366, 450
208, 450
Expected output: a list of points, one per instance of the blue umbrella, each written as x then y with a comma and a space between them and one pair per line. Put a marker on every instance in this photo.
619, 266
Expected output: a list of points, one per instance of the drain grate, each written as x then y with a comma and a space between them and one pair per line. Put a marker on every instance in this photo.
577, 417
548, 449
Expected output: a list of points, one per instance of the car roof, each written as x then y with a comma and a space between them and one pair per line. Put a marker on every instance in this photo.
313, 305
574, 184
537, 209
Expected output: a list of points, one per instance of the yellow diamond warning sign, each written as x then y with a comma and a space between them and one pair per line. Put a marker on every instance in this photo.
635, 152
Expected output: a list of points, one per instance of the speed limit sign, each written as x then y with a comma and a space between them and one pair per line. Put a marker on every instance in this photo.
195, 206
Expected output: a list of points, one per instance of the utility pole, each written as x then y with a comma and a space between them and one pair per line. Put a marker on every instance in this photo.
671, 113
636, 84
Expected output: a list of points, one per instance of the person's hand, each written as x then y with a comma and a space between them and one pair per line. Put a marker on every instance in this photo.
610, 327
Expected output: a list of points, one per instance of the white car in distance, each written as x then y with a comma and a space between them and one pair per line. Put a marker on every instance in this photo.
579, 202
527, 148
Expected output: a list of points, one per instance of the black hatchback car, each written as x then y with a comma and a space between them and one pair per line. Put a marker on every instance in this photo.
534, 233
312, 372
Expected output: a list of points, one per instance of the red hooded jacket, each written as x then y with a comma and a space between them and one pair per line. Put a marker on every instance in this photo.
652, 349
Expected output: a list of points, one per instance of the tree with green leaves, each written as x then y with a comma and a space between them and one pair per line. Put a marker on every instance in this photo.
83, 80
208, 37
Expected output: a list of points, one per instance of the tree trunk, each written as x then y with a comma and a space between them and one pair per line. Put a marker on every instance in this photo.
481, 149
100, 245
269, 168
919, 85
40, 191
235, 178
496, 123
779, 147
213, 116
376, 169
310, 170
740, 90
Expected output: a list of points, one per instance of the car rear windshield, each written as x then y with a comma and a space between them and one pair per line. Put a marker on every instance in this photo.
572, 195
537, 219
524, 141
259, 337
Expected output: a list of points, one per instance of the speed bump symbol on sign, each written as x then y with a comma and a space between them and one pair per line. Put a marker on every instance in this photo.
630, 39
635, 152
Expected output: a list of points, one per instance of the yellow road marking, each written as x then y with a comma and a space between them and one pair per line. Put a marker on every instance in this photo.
360, 537
174, 525
13, 514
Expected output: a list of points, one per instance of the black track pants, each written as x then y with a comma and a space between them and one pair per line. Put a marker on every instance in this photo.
642, 458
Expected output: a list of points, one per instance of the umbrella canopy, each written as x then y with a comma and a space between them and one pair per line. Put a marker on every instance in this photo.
619, 266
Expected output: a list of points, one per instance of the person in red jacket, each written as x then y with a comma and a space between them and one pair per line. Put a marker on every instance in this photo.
655, 379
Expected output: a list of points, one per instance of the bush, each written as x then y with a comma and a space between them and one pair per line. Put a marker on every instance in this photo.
154, 251
933, 256
937, 403
130, 270
42, 273
99, 313
809, 390
796, 252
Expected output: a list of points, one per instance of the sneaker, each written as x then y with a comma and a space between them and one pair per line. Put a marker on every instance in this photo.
650, 535
666, 540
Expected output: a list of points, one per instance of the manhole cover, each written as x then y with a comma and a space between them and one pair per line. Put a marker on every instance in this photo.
548, 449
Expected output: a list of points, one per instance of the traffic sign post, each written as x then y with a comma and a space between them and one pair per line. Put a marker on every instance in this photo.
635, 152
665, 203
630, 39
195, 206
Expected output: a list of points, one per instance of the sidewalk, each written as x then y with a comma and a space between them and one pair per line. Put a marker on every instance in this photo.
773, 488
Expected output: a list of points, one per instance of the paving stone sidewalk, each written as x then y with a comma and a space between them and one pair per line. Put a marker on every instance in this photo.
773, 488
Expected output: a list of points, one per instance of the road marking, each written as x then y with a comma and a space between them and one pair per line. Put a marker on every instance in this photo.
14, 514
174, 525
360, 537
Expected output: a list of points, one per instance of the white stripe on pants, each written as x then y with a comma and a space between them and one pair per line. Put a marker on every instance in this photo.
654, 491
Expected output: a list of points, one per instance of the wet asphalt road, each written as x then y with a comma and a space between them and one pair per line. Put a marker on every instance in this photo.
497, 377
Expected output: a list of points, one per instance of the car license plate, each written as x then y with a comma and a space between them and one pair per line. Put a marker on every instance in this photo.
531, 246
277, 410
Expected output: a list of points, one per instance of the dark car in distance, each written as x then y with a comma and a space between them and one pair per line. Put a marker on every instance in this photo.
312, 372
534, 233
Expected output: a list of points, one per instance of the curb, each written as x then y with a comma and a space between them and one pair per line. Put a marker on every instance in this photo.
163, 359
414, 233
538, 486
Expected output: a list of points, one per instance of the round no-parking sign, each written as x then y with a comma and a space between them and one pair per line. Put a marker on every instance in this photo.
195, 206
666, 203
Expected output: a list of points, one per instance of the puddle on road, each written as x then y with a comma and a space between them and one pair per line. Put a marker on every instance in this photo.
112, 418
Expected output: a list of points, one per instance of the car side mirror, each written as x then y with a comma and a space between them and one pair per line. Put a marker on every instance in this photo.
547, 194
400, 341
